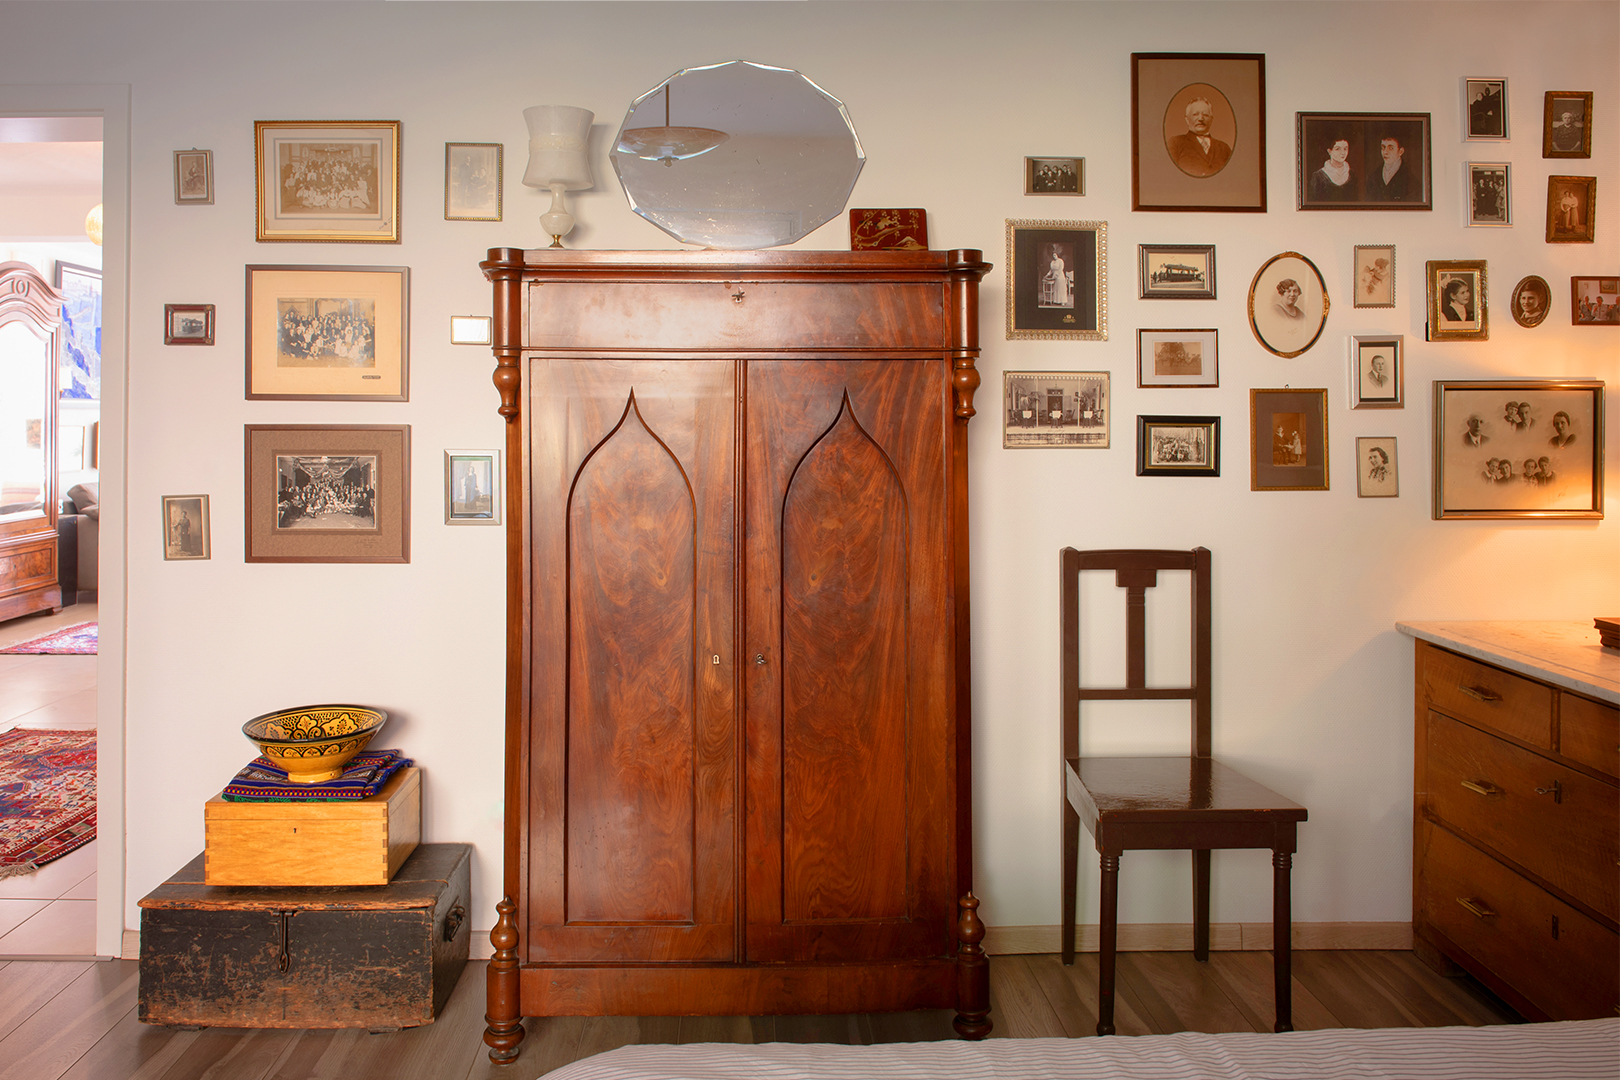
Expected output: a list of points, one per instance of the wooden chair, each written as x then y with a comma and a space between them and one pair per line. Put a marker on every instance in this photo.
1190, 802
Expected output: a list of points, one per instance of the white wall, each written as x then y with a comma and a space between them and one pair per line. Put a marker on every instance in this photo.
1313, 689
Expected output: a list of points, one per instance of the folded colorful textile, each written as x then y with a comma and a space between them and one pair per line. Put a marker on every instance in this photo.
261, 781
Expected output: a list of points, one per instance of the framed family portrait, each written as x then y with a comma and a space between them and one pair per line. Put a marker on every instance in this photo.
193, 177
1532, 299
1566, 124
1055, 409
1198, 131
473, 181
1571, 209
1176, 271
472, 487
1364, 161
327, 180
185, 527
1178, 446
1054, 176
188, 324
1377, 371
328, 493
328, 333
1373, 270
1489, 196
1376, 473
1288, 440
1057, 284
1485, 108
1595, 301
1177, 358
1529, 448
1288, 304
1457, 308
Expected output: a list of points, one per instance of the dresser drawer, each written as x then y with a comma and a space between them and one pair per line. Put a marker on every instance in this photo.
1564, 962
1589, 732
1555, 822
1482, 694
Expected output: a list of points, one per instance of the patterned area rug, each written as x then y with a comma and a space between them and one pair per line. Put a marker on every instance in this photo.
78, 640
47, 796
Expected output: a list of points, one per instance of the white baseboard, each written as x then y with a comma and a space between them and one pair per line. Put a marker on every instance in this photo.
1177, 937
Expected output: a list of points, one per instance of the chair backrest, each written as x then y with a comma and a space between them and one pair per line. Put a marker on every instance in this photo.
1136, 571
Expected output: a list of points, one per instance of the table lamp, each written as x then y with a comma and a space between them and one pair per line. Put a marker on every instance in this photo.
559, 160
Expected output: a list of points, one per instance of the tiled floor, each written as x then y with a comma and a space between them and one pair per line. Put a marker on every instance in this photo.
50, 913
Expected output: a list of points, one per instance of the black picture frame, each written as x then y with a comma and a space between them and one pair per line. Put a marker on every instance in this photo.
1178, 446
1175, 271
1365, 134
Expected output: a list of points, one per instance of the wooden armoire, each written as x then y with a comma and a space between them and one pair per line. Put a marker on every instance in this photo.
738, 778
30, 328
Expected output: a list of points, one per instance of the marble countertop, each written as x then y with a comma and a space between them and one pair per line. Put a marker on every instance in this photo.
1567, 654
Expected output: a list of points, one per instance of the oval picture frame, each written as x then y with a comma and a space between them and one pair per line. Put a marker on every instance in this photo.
1273, 327
1537, 287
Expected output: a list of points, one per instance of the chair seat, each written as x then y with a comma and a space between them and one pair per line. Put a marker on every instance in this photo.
1154, 788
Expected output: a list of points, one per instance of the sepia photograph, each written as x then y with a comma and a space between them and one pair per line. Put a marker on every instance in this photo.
1532, 299
1489, 197
328, 333
1363, 161
1529, 448
1176, 271
1377, 372
1288, 304
1566, 125
1485, 106
1595, 301
1054, 176
1571, 209
1055, 409
1288, 448
1374, 273
1176, 358
1198, 131
1057, 284
1178, 446
1457, 307
193, 177
473, 181
328, 493
472, 487
185, 527
188, 324
328, 180
1376, 473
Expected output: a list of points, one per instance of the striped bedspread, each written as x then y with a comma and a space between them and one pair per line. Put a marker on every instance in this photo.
1579, 1050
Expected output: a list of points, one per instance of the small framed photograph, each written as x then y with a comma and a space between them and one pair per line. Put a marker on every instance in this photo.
193, 177
1364, 161
1198, 131
1489, 196
1377, 372
1288, 448
328, 333
872, 229
327, 180
1571, 209
1532, 299
1595, 301
1288, 304
1566, 124
1374, 273
1178, 446
1177, 358
185, 527
1518, 448
1176, 271
472, 487
1376, 474
188, 324
471, 330
1054, 176
1055, 409
328, 493
1485, 106
1057, 284
1457, 308
473, 181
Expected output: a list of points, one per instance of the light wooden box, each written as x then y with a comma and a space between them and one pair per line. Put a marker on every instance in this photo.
359, 842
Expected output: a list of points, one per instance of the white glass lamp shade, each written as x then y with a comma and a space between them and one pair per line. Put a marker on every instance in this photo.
559, 136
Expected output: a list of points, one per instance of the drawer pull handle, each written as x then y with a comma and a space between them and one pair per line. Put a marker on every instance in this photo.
1482, 787
453, 921
1556, 791
1480, 693
1477, 908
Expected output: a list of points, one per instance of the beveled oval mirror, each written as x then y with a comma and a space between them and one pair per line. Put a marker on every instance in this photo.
737, 155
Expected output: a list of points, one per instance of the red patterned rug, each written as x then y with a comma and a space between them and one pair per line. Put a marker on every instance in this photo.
79, 640
47, 796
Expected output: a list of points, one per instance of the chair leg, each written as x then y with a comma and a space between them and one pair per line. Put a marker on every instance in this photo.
1282, 924
1107, 938
1071, 872
1200, 861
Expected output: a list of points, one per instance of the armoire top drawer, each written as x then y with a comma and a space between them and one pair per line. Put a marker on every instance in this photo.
1488, 696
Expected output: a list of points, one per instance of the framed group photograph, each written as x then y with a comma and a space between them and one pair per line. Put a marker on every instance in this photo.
328, 493
185, 527
328, 333
1178, 446
79, 344
1376, 475
193, 177
1054, 176
1457, 308
1594, 301
1566, 124
1288, 304
1485, 107
1374, 274
1176, 271
188, 324
1198, 131
1532, 299
1057, 285
1363, 161
1288, 440
1377, 371
1489, 197
1518, 448
327, 180
472, 487
473, 181
1055, 409
1177, 358
1571, 209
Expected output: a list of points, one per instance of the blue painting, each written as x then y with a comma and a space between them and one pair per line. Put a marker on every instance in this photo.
81, 331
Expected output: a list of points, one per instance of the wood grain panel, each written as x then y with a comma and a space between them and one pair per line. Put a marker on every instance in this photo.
1589, 732
1485, 695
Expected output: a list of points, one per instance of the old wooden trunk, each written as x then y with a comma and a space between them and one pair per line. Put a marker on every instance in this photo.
379, 956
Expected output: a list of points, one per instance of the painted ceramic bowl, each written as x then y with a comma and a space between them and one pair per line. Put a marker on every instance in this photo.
314, 742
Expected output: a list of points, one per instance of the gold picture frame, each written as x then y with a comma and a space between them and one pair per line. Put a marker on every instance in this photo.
328, 333
185, 528
1285, 324
1518, 448
1571, 209
327, 180
1457, 307
1057, 280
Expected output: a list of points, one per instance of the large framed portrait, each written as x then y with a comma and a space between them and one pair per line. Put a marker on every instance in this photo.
1198, 131
1566, 124
328, 333
1594, 301
1457, 307
473, 181
1176, 271
1055, 409
1377, 476
1178, 446
328, 493
1288, 449
1057, 279
1532, 299
79, 344
1288, 304
1374, 272
193, 177
472, 487
1377, 371
1177, 358
1571, 209
1485, 108
1490, 199
1518, 448
1364, 161
185, 527
328, 180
